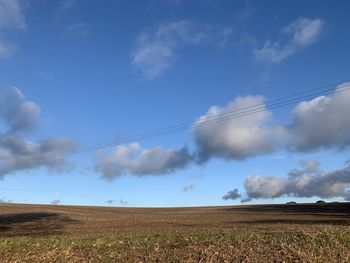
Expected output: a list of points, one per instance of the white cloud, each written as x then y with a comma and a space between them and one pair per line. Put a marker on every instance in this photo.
236, 138
320, 123
157, 47
323, 122
132, 159
264, 187
245, 128
304, 31
309, 181
298, 34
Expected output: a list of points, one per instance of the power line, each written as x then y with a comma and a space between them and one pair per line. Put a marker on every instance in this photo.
238, 113
281, 102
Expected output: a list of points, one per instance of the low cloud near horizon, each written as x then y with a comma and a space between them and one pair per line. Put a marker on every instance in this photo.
307, 181
55, 202
317, 124
4, 200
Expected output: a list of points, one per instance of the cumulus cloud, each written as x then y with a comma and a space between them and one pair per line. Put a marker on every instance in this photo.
133, 159
16, 112
11, 17
323, 122
232, 195
320, 123
293, 38
18, 153
157, 47
264, 187
188, 187
18, 116
307, 181
236, 138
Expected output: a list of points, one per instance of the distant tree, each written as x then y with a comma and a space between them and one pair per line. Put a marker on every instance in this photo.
320, 202
291, 203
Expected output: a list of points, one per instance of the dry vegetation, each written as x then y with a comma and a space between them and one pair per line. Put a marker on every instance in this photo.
262, 233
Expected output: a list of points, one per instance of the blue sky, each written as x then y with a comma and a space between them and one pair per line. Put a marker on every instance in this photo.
75, 73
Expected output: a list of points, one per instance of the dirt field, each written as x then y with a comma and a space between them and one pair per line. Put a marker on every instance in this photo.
260, 233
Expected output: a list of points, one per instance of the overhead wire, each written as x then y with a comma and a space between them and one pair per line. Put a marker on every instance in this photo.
228, 115
237, 113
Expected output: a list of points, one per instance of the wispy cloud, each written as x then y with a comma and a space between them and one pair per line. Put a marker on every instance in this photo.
157, 47
45, 75
6, 49
11, 14
293, 38
11, 17
67, 4
188, 187
78, 29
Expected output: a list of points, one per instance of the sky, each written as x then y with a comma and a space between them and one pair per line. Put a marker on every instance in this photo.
76, 74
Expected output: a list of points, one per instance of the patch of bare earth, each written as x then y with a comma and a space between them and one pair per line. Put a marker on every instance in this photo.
261, 233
